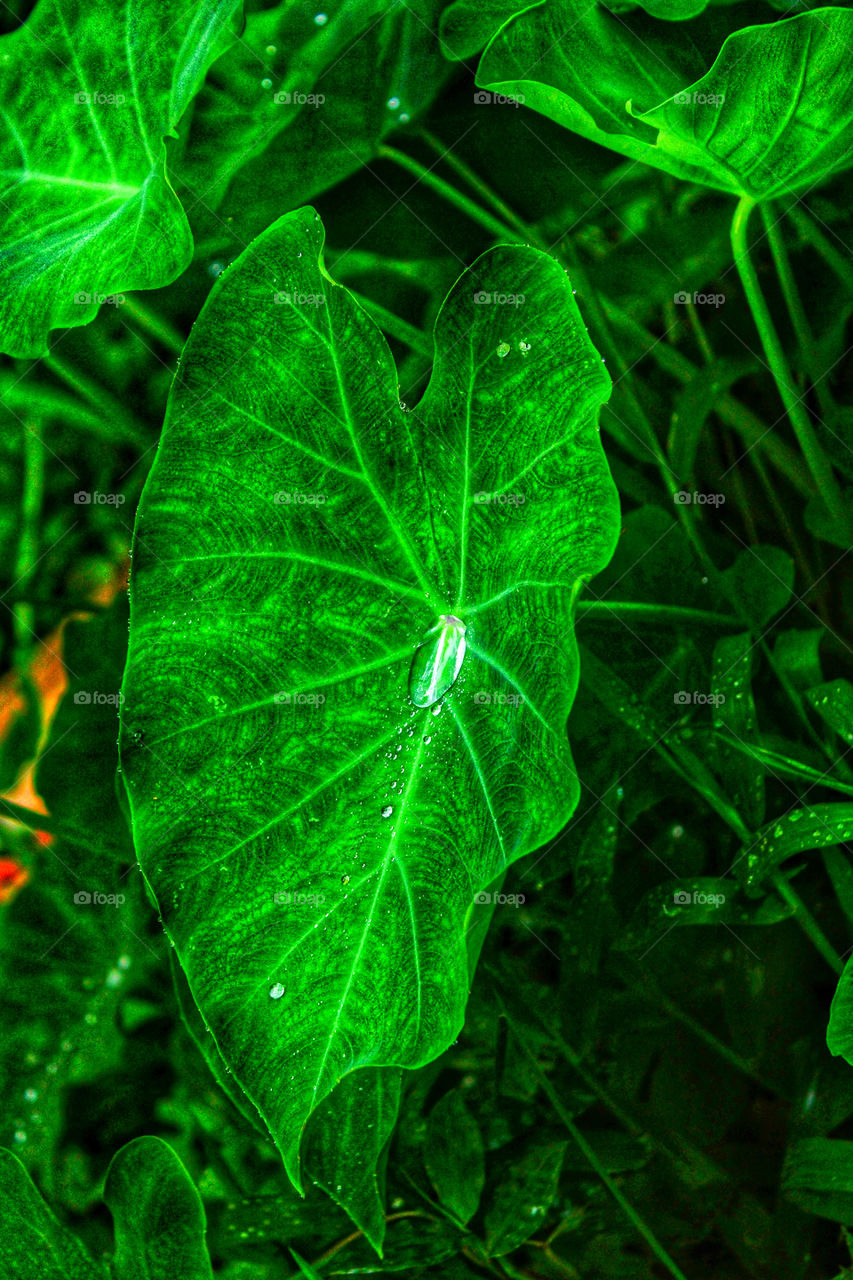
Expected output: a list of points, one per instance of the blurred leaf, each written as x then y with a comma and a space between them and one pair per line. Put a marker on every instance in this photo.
833, 701
158, 1214
761, 580
454, 1156
523, 1197
798, 656
731, 685
467, 26
818, 1176
694, 901
33, 1245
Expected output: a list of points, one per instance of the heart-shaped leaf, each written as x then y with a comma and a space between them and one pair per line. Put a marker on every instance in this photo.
306, 550
90, 92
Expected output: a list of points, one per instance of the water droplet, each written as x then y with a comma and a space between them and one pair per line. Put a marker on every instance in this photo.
428, 739
270, 49
276, 991
216, 269
266, 83
20, 1136
387, 811
503, 350
30, 1095
436, 709
437, 661
524, 347
321, 19
393, 104
344, 879
403, 117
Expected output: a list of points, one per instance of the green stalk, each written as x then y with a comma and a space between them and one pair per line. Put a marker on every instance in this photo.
799, 320
639, 610
807, 922
595, 1164
395, 325
156, 326
822, 245
818, 464
118, 427
454, 197
32, 492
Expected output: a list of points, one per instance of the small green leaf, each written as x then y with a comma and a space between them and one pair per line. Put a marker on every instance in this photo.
833, 701
305, 1268
816, 827
761, 580
521, 1201
454, 1156
158, 1215
797, 653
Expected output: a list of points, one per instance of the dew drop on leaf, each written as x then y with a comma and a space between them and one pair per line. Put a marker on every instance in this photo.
321, 19
393, 104
437, 661
276, 991
387, 811
503, 350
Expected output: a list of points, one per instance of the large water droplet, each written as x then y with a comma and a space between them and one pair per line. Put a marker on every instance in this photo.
276, 991
437, 661
387, 811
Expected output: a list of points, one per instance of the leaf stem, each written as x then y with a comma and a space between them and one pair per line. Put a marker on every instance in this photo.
806, 921
799, 320
822, 245
640, 610
156, 325
118, 427
816, 460
395, 325
449, 193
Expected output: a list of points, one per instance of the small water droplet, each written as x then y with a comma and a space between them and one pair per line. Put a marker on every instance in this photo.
393, 104
503, 350
321, 19
428, 739
387, 811
276, 991
344, 879
30, 1095
270, 49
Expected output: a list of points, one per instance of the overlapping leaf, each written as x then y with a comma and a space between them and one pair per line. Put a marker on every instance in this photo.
315, 840
90, 92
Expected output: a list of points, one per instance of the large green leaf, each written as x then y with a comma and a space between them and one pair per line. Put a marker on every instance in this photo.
314, 835
767, 113
90, 93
